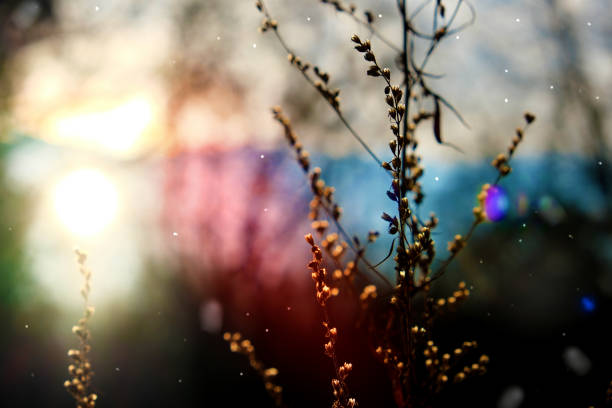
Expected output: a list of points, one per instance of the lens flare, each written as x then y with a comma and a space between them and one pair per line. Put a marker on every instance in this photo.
497, 203
587, 303
85, 201
522, 204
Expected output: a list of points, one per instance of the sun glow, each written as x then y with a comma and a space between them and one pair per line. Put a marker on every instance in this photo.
117, 129
85, 201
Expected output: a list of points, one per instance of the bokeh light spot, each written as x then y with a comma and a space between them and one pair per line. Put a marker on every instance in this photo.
588, 304
496, 203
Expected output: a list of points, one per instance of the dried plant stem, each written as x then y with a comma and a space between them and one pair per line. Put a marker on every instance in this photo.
404, 342
271, 24
323, 293
328, 206
238, 344
503, 170
79, 384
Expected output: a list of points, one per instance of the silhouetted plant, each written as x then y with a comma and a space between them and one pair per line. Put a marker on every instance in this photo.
399, 315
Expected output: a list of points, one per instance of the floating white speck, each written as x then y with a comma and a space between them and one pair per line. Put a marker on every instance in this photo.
175, 234
267, 330
241, 373
436, 178
97, 8
520, 240
570, 236
247, 314
518, 20
180, 380
288, 308
265, 210
218, 37
597, 98
524, 225
261, 157
506, 100
380, 16
552, 87
589, 23
117, 369
254, 45
599, 163
481, 261
457, 37
27, 326
307, 18
506, 70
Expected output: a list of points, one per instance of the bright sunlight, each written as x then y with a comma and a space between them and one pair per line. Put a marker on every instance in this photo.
85, 201
115, 129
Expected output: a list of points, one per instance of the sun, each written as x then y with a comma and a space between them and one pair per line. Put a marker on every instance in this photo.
86, 201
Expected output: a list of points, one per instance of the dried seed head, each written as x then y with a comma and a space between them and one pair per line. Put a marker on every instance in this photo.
529, 117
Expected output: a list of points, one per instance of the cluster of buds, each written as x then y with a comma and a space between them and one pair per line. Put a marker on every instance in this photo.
440, 367
437, 366
243, 346
473, 369
347, 273
368, 294
456, 244
80, 378
339, 387
318, 273
298, 63
334, 247
393, 94
479, 210
422, 252
268, 24
460, 294
80, 369
501, 161
323, 195
331, 95
432, 222
396, 111
390, 358
320, 226
416, 170
501, 164
290, 135
323, 293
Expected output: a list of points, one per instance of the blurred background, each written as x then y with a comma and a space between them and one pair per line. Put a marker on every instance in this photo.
141, 133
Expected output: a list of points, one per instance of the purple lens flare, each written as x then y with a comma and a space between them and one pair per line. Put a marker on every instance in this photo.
496, 203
